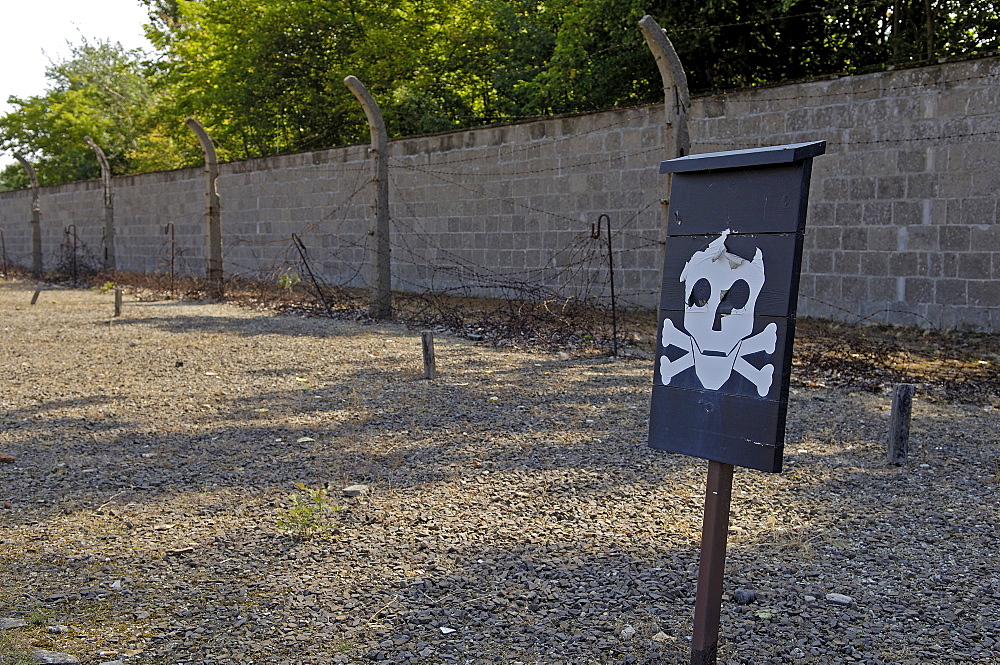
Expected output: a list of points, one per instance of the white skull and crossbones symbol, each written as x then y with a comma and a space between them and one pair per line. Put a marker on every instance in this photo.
720, 291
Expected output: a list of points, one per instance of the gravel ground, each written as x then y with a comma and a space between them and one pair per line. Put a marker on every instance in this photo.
514, 513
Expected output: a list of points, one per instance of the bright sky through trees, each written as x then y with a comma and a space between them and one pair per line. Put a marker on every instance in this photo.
36, 31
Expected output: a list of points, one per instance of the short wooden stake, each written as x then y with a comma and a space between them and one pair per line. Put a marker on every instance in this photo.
427, 341
118, 301
34, 298
712, 566
898, 444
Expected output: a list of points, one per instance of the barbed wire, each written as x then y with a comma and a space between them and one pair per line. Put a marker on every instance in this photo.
609, 160
860, 319
752, 93
536, 144
938, 139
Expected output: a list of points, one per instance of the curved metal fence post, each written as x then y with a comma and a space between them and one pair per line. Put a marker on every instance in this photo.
3, 251
380, 300
213, 212
676, 100
108, 240
36, 219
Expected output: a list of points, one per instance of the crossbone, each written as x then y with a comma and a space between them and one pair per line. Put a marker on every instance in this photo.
765, 340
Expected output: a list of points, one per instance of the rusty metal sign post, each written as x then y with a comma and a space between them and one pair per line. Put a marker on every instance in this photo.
735, 230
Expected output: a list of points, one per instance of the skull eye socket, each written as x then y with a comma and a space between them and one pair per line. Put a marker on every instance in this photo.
701, 293
735, 297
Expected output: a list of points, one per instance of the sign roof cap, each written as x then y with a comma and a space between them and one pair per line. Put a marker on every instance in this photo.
735, 159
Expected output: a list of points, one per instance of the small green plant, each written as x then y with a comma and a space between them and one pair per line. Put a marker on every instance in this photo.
309, 513
14, 652
106, 286
38, 617
289, 279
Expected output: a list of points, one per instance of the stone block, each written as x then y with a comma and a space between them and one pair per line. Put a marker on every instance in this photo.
907, 212
957, 238
911, 161
903, 264
975, 265
931, 264
922, 186
821, 214
846, 263
920, 237
863, 188
834, 188
874, 263
983, 293
952, 292
891, 187
919, 290
848, 213
818, 262
883, 289
824, 238
828, 288
854, 288
876, 213
854, 238
979, 211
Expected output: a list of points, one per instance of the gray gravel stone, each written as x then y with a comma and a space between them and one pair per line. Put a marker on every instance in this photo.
53, 657
839, 599
7, 624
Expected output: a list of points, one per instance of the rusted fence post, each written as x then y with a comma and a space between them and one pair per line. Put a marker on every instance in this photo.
118, 301
380, 299
108, 239
898, 445
36, 219
213, 212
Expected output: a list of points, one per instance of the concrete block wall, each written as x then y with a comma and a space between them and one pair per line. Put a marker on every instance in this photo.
903, 220
512, 208
904, 224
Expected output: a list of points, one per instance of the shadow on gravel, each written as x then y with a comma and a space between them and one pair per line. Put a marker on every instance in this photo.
247, 327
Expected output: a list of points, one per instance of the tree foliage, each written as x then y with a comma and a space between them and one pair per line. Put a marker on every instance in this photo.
266, 76
98, 91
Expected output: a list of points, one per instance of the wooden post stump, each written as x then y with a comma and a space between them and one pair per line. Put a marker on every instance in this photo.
899, 424
427, 342
118, 301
